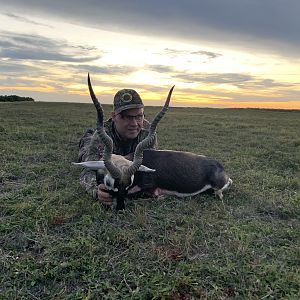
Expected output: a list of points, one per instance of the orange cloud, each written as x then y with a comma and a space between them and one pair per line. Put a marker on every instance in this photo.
270, 105
45, 89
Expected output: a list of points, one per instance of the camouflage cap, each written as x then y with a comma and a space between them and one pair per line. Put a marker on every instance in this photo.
127, 99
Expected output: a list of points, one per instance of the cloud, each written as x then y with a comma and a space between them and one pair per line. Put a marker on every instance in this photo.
269, 24
15, 68
43, 64
160, 68
231, 78
176, 52
209, 54
239, 80
35, 47
36, 54
108, 69
25, 20
263, 84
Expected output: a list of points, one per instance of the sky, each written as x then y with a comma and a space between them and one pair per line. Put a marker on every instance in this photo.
217, 53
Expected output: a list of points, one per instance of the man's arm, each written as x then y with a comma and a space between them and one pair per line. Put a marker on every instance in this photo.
88, 181
91, 148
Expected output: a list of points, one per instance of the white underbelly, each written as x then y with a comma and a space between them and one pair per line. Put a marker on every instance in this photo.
160, 192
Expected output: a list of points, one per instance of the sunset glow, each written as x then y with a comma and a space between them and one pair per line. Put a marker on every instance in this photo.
49, 58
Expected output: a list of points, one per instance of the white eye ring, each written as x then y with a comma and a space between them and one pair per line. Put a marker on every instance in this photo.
109, 183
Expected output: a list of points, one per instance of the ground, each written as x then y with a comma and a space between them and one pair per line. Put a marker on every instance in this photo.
57, 243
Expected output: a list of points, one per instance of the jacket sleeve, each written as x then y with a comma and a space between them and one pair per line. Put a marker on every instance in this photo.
90, 148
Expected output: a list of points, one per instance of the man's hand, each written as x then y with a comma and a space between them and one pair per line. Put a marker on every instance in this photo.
103, 195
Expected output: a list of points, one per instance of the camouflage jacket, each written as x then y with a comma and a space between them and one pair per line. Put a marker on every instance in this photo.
91, 148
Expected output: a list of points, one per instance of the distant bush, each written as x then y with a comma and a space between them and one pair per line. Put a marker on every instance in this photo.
14, 98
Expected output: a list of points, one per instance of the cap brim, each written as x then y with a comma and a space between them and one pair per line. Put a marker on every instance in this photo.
129, 106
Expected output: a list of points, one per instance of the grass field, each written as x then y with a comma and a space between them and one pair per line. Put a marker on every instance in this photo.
57, 243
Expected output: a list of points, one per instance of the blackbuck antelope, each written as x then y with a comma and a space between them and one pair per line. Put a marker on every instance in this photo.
172, 172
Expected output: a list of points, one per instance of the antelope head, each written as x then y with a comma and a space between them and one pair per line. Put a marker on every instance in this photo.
119, 172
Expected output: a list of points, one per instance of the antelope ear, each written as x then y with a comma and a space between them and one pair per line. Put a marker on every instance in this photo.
92, 165
145, 169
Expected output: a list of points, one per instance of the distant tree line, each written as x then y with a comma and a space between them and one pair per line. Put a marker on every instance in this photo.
14, 98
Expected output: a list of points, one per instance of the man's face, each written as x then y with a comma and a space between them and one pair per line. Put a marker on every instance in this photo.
129, 122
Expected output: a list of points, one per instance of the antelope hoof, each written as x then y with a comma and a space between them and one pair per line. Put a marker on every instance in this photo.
219, 194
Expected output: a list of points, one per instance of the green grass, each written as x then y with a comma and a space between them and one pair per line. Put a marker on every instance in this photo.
57, 243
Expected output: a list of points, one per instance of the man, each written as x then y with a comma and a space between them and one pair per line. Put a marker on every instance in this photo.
127, 127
